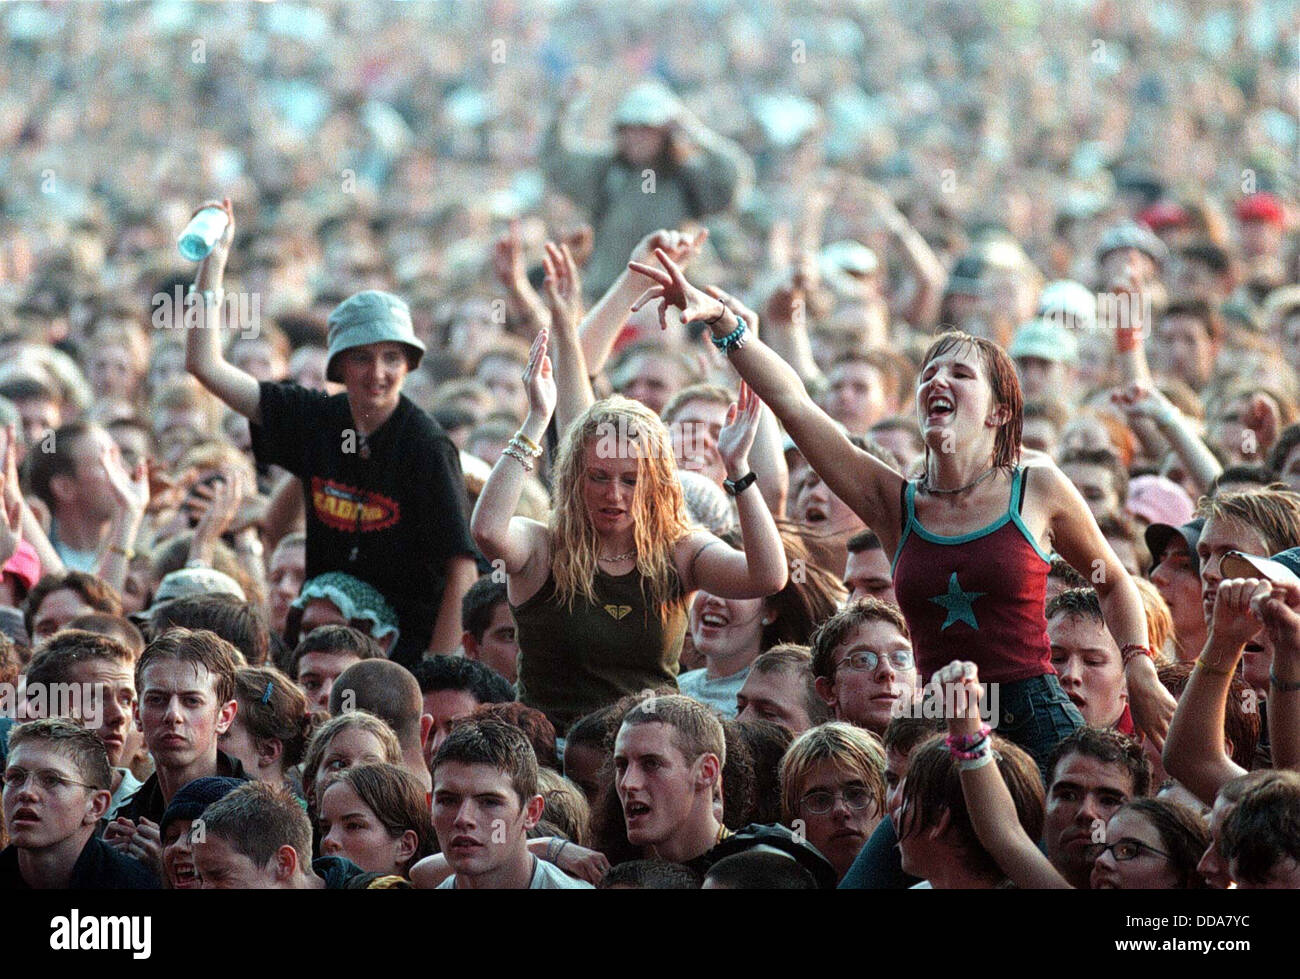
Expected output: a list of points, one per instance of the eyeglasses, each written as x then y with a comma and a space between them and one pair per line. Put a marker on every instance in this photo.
819, 802
48, 780
868, 659
1123, 850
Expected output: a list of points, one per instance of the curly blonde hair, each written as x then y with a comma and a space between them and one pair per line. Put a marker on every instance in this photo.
620, 427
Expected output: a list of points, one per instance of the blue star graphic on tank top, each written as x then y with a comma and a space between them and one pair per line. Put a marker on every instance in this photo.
958, 603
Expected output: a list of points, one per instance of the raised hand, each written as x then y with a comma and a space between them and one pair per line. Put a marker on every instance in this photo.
11, 521
562, 286
1280, 613
130, 491
580, 242
670, 288
680, 246
1236, 617
960, 685
508, 259
737, 435
213, 267
540, 380
1144, 401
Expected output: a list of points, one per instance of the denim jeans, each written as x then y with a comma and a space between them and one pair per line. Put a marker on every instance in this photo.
1036, 714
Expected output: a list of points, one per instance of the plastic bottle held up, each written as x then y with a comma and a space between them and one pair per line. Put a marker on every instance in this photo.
202, 234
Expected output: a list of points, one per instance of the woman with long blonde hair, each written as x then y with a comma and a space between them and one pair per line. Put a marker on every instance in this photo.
599, 592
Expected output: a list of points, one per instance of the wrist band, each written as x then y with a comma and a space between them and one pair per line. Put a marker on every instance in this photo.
975, 751
970, 765
733, 340
527, 444
1131, 649
1201, 664
519, 457
1283, 686
966, 742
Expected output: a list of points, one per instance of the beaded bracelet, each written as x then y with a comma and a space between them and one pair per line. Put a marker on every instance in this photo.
733, 340
520, 447
975, 751
1131, 649
974, 763
1201, 664
518, 456
526, 444
968, 741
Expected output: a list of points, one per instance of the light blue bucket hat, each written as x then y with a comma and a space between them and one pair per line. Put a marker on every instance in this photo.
371, 317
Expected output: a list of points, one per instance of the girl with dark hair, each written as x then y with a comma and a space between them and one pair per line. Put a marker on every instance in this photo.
272, 727
971, 538
377, 816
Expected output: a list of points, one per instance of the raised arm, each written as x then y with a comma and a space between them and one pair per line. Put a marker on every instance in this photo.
869, 487
989, 804
203, 355
760, 569
524, 307
520, 544
131, 499
1281, 614
601, 326
30, 526
1194, 753
1076, 537
1142, 401
564, 300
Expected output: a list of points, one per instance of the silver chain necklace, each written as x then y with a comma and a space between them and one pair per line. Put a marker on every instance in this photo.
960, 489
618, 557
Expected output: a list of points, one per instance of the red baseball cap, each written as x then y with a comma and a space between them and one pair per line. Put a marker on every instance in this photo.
24, 565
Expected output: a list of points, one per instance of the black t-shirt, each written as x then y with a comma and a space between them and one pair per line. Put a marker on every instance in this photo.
391, 514
98, 868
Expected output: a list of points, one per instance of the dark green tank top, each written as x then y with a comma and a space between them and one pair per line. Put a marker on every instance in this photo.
571, 663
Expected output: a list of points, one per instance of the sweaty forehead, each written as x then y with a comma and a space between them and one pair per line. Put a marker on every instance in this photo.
648, 738
1089, 772
41, 755
175, 676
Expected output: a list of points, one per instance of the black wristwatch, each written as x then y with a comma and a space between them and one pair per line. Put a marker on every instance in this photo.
737, 486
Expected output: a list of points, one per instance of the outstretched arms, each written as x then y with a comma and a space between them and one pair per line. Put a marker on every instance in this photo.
869, 487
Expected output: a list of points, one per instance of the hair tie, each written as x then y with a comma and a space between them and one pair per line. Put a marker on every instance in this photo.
266, 697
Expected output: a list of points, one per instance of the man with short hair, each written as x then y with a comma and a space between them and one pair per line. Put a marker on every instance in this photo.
668, 759
324, 654
490, 627
56, 789
1259, 835
451, 687
1093, 772
862, 658
867, 573
72, 481
389, 691
1099, 476
485, 801
857, 394
258, 836
782, 689
57, 599
186, 685
103, 669
1087, 659
1188, 336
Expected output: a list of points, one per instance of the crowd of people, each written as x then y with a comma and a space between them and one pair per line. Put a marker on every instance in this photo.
813, 449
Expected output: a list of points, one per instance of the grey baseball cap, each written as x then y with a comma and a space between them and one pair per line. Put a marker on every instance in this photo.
371, 317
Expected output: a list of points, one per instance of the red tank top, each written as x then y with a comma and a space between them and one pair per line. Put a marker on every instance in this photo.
977, 596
